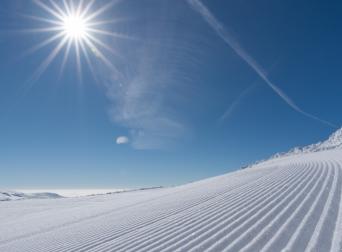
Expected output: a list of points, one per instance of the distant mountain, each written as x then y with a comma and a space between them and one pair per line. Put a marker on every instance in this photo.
13, 195
333, 142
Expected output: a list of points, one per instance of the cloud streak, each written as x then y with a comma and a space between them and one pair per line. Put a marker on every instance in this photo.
234, 44
236, 103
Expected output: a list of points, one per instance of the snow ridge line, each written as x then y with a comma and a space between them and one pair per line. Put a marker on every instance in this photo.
318, 229
263, 220
205, 232
301, 186
314, 201
258, 240
270, 244
337, 235
218, 209
59, 245
193, 186
189, 187
114, 235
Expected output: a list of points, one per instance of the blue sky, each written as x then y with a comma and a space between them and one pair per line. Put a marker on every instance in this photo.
189, 104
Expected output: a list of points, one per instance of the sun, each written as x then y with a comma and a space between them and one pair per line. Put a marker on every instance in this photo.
74, 25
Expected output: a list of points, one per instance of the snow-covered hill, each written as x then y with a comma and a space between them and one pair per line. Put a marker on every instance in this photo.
7, 195
333, 142
289, 203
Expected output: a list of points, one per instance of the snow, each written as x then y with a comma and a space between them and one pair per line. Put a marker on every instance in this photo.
73, 192
288, 203
7, 195
332, 143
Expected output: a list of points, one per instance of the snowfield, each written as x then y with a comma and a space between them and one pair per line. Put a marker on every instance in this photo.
14, 195
288, 203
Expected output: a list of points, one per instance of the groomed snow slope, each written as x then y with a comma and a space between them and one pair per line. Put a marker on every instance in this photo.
290, 204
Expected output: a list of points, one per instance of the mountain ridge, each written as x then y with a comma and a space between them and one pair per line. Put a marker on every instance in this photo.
334, 141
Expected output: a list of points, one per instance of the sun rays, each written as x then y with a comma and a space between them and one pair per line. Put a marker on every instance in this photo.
73, 25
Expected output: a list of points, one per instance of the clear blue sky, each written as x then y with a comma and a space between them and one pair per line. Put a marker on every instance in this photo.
188, 104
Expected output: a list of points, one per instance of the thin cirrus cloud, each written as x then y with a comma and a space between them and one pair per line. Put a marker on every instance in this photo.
233, 43
138, 102
236, 102
145, 88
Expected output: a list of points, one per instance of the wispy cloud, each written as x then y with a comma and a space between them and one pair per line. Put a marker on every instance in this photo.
139, 100
218, 27
145, 90
236, 102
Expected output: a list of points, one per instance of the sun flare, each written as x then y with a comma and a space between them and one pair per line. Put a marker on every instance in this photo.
74, 27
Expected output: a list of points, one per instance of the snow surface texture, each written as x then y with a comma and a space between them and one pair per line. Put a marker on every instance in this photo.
290, 203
